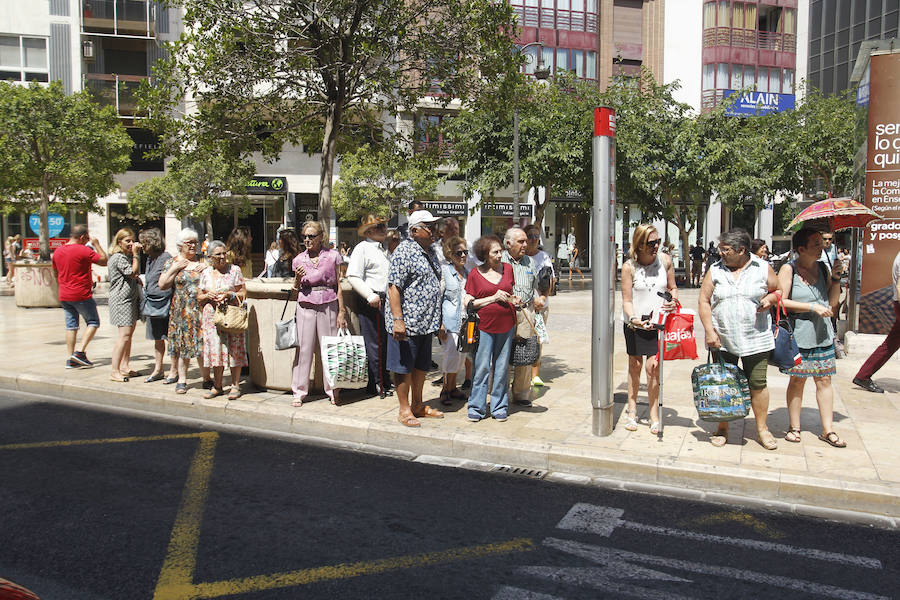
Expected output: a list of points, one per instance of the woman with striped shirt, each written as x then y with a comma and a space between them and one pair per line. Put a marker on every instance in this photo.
737, 292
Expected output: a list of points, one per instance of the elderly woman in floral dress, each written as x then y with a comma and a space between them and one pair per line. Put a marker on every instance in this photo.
221, 284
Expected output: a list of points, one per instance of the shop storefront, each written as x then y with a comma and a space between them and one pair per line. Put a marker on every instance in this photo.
572, 218
497, 217
451, 208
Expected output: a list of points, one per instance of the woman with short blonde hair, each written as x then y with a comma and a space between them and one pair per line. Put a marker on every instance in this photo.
124, 298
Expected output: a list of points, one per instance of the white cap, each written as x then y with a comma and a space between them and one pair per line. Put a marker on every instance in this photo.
421, 216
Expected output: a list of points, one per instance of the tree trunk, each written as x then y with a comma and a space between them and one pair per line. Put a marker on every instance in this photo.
44, 233
329, 152
209, 227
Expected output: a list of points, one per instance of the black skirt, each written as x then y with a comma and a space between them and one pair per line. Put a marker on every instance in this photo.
641, 342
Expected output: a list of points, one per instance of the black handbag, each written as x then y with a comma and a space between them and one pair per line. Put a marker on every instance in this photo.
525, 350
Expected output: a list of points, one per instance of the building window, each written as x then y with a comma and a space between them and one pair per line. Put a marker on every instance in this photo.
23, 58
709, 15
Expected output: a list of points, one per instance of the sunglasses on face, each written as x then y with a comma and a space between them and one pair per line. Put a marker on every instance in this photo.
310, 236
461, 253
652, 244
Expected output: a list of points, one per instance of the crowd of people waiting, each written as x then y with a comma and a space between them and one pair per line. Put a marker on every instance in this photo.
425, 284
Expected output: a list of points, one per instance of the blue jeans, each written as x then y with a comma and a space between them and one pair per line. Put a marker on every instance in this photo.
492, 355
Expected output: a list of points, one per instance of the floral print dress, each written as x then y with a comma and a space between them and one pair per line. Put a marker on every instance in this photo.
221, 349
184, 315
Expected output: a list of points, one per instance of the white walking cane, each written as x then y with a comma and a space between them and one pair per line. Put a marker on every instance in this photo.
661, 344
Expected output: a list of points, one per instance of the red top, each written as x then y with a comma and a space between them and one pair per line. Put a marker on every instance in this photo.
73, 267
496, 317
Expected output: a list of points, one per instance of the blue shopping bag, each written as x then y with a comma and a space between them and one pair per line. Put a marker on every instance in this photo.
721, 391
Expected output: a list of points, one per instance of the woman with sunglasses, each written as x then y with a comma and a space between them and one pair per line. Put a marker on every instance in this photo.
453, 282
220, 284
367, 273
320, 307
646, 278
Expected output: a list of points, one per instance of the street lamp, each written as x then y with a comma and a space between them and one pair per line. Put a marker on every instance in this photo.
540, 73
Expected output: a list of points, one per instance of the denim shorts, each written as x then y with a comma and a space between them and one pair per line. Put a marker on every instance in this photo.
85, 308
412, 353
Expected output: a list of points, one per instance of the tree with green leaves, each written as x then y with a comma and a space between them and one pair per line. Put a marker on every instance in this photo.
555, 123
318, 73
194, 185
57, 152
381, 179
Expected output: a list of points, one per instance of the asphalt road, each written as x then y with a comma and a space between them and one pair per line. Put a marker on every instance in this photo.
96, 505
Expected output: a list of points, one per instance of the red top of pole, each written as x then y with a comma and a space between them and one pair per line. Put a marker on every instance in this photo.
604, 121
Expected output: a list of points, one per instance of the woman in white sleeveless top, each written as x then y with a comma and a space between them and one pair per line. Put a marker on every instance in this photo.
646, 277
735, 297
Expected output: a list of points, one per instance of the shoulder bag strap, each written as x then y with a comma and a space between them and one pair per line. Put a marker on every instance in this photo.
430, 264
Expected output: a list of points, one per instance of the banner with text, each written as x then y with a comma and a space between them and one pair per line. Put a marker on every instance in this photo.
881, 239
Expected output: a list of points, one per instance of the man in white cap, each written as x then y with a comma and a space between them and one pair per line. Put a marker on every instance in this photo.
413, 315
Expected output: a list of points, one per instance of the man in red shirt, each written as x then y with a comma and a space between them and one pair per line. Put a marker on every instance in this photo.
73, 263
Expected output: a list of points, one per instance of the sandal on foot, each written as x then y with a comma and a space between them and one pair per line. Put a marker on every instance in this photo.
766, 439
630, 423
654, 427
792, 435
719, 438
297, 403
119, 379
458, 394
153, 377
408, 421
213, 393
429, 413
181, 388
446, 399
334, 401
235, 393
170, 380
833, 439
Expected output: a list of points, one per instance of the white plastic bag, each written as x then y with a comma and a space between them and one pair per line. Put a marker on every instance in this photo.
344, 360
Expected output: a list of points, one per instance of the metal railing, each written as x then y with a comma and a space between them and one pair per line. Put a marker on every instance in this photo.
116, 90
132, 18
749, 38
569, 20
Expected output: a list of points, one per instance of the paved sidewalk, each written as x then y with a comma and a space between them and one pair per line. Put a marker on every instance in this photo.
554, 435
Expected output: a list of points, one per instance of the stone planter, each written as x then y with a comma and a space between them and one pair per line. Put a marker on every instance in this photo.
36, 285
270, 368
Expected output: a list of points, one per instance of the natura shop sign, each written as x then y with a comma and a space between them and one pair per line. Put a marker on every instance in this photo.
260, 184
881, 239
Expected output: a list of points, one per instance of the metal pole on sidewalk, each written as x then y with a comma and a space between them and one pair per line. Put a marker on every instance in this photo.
603, 217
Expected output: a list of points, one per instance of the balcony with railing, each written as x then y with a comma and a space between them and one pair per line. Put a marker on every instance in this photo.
749, 38
549, 18
130, 18
119, 91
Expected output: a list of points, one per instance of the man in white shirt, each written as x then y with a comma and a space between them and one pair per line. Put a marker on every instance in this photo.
891, 343
541, 260
367, 273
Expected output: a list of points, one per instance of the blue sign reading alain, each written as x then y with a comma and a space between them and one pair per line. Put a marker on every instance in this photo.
758, 103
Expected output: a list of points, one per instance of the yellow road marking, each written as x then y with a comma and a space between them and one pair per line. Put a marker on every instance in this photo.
342, 571
122, 440
741, 518
181, 556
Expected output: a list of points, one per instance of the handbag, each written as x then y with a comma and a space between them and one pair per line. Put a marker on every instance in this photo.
721, 391
469, 334
286, 331
232, 319
155, 307
344, 360
678, 335
786, 354
525, 349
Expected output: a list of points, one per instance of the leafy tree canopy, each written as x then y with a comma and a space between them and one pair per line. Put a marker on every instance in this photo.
57, 151
290, 72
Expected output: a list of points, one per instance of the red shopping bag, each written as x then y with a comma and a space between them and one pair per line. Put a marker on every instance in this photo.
679, 341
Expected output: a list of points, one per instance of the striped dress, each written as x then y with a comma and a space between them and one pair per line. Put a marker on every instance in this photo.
742, 330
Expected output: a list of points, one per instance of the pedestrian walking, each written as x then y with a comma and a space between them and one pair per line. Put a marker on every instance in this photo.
412, 316
735, 297
367, 273
811, 295
221, 284
124, 299
489, 290
73, 263
890, 344
320, 307
647, 277
697, 254
157, 302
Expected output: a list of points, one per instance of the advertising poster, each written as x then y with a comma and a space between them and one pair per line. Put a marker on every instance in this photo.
881, 239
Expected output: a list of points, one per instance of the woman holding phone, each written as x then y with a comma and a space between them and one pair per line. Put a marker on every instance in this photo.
648, 288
